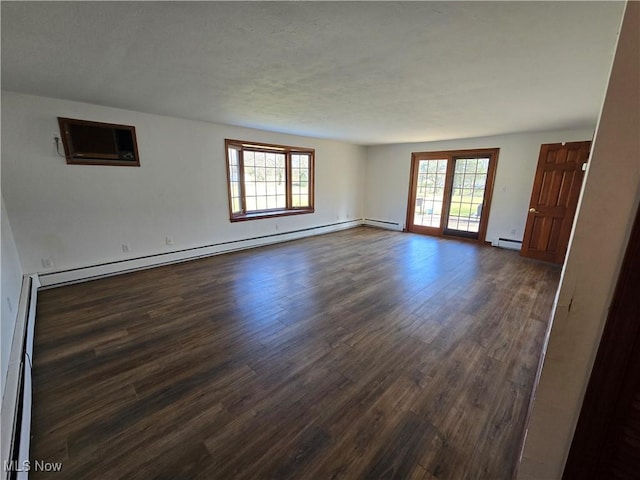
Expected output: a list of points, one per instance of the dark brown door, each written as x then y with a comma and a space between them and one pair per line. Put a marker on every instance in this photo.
554, 199
606, 444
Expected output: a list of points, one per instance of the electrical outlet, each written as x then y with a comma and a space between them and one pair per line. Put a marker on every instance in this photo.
47, 263
9, 304
125, 247
513, 231
276, 226
168, 240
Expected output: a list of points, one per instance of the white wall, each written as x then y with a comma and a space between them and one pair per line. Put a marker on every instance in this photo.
608, 204
388, 173
10, 293
79, 215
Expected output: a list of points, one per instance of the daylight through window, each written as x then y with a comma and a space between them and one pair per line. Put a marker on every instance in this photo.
268, 180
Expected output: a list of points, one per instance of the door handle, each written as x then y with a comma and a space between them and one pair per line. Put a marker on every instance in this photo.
533, 210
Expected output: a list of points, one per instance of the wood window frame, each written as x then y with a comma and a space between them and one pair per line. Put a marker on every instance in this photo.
450, 156
288, 151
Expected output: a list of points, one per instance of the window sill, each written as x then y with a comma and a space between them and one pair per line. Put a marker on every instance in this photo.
270, 214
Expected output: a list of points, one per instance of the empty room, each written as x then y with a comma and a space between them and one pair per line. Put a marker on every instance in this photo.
309, 240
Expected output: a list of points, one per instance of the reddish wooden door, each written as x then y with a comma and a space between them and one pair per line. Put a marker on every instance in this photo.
554, 200
606, 443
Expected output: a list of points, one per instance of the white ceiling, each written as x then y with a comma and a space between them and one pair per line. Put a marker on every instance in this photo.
363, 72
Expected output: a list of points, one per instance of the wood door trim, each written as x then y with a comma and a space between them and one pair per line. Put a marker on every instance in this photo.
601, 415
413, 185
488, 195
450, 156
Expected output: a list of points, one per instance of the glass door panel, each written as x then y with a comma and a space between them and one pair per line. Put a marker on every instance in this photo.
450, 192
430, 188
467, 196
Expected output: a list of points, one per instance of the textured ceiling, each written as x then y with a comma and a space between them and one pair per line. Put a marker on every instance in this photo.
363, 72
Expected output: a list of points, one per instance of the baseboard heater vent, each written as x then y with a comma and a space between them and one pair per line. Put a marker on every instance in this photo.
90, 272
508, 243
383, 224
16, 400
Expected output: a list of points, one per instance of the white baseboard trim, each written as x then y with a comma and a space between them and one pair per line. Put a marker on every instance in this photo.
399, 227
17, 395
81, 274
16, 398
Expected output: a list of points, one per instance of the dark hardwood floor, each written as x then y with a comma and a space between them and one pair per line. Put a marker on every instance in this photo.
359, 354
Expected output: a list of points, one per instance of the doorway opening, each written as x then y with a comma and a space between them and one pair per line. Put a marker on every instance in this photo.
450, 192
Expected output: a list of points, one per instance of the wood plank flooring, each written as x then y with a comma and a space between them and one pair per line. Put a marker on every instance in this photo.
359, 354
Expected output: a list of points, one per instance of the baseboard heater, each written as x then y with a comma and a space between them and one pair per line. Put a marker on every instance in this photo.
508, 243
383, 224
16, 399
90, 272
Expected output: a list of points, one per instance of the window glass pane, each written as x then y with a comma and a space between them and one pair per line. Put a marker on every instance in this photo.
261, 203
430, 192
300, 175
270, 160
271, 188
469, 183
233, 156
265, 177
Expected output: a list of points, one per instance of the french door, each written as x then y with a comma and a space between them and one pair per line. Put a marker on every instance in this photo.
450, 192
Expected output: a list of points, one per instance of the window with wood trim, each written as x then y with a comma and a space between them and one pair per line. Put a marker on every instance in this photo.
267, 180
